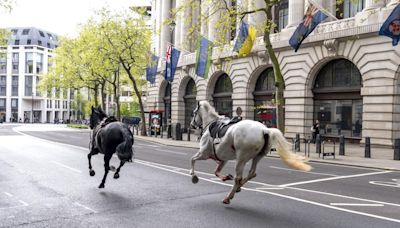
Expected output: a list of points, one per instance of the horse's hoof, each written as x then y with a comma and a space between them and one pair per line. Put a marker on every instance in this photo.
116, 176
239, 189
112, 168
195, 179
92, 173
226, 178
101, 186
226, 200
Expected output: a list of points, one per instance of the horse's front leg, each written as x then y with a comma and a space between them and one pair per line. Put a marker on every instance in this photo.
92, 152
217, 172
106, 169
116, 175
238, 180
198, 156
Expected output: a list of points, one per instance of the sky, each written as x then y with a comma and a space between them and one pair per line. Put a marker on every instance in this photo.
61, 17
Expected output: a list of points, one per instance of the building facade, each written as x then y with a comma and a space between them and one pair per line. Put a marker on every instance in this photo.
344, 74
22, 64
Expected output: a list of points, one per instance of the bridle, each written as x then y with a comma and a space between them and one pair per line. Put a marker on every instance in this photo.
194, 115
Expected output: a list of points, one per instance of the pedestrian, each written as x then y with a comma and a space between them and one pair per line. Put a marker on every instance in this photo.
315, 130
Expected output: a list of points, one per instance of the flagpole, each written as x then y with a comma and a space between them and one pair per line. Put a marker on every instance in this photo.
179, 48
323, 10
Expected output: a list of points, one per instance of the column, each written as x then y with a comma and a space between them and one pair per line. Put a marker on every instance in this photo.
296, 12
203, 18
184, 27
165, 30
156, 21
212, 21
393, 2
373, 4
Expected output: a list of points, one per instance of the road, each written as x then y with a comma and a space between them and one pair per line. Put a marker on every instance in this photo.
44, 182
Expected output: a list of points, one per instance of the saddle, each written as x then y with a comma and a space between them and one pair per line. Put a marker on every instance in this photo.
108, 120
218, 128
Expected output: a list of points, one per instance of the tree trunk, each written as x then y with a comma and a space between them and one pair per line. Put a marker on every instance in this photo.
116, 93
279, 82
96, 95
103, 96
138, 94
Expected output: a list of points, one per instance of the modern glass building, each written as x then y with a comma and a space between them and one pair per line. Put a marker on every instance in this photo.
344, 74
22, 64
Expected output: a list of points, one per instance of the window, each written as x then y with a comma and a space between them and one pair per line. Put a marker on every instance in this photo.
25, 32
15, 63
2, 104
14, 86
39, 63
3, 65
50, 36
266, 82
190, 101
16, 42
14, 103
223, 96
28, 85
281, 13
28, 42
48, 45
37, 86
14, 31
41, 33
3, 85
29, 62
349, 8
264, 110
39, 42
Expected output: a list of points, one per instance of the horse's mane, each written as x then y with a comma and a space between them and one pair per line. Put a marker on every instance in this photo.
210, 109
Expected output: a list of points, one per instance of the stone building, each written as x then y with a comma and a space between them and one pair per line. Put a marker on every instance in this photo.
345, 74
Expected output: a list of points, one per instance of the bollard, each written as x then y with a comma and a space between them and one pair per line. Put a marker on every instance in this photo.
169, 133
367, 147
297, 143
341, 145
162, 132
155, 132
188, 134
318, 144
397, 149
178, 132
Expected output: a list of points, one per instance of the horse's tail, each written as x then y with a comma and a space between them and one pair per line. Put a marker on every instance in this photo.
284, 149
124, 149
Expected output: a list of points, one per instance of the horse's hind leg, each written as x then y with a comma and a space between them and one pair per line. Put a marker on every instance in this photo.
238, 180
116, 175
199, 156
252, 171
217, 172
106, 169
91, 171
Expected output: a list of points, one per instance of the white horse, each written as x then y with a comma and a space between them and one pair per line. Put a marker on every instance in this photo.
244, 141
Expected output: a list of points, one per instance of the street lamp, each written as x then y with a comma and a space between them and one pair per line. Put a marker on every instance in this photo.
32, 108
171, 26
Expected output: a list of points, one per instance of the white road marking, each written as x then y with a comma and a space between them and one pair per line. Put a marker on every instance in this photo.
67, 167
139, 144
171, 152
8, 194
269, 188
23, 203
357, 204
152, 164
325, 174
394, 184
83, 206
333, 178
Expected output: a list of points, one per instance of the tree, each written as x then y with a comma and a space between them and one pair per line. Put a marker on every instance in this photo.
6, 5
126, 38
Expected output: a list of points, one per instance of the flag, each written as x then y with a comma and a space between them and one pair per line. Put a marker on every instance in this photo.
391, 27
313, 17
171, 63
244, 41
203, 56
151, 70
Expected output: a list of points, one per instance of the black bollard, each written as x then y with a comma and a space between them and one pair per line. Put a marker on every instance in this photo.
367, 147
178, 132
341, 145
169, 133
188, 134
297, 143
397, 149
318, 144
162, 132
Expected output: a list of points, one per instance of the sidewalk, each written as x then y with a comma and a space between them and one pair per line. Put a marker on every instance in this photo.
381, 158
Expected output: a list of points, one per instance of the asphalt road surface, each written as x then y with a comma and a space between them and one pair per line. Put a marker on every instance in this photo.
44, 182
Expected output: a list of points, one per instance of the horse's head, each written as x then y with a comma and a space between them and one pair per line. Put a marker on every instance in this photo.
96, 116
196, 118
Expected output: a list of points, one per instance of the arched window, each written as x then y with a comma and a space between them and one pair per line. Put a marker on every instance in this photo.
264, 109
337, 99
190, 101
349, 8
223, 95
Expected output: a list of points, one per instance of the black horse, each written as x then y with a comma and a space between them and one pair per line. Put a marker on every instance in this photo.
109, 136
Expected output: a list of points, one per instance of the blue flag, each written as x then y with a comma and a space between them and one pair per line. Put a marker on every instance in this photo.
203, 56
151, 70
313, 17
171, 63
245, 39
391, 27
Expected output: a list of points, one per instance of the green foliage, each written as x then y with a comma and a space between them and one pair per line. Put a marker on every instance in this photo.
130, 109
79, 126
